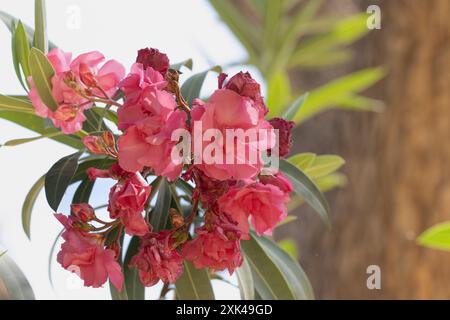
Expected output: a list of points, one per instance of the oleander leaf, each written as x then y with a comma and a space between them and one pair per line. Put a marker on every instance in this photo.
28, 205
245, 281
436, 237
192, 87
194, 284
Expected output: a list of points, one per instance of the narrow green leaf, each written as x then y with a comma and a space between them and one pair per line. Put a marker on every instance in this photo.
306, 188
40, 20
109, 114
303, 160
279, 93
134, 287
16, 142
247, 33
42, 72
290, 247
436, 237
35, 123
245, 280
115, 294
15, 57
194, 284
11, 22
13, 281
13, 104
324, 165
269, 280
22, 50
159, 215
50, 257
293, 273
28, 205
83, 192
186, 63
59, 177
338, 91
192, 86
293, 109
272, 20
186, 187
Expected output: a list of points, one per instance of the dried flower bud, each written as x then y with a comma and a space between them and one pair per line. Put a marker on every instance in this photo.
150, 57
83, 212
176, 218
285, 134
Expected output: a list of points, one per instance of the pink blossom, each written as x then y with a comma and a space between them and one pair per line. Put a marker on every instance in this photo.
217, 246
157, 260
127, 200
84, 254
149, 142
150, 57
264, 203
229, 110
71, 104
114, 172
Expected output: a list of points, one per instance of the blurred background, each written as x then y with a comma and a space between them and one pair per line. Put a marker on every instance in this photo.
379, 96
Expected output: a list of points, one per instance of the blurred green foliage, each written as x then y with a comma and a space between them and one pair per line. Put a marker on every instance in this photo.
283, 36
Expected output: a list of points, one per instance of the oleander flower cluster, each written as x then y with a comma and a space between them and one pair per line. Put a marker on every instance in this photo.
231, 198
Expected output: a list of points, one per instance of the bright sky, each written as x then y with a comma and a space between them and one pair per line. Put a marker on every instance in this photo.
182, 29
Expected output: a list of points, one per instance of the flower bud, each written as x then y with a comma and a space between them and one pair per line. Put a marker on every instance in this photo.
86, 75
150, 57
176, 218
285, 134
83, 212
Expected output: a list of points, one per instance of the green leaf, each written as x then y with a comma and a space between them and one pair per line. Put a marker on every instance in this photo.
159, 215
32, 122
22, 50
272, 20
290, 247
11, 22
279, 93
192, 86
40, 21
186, 187
115, 294
28, 205
83, 192
134, 287
269, 280
245, 280
186, 63
90, 162
338, 91
291, 270
194, 284
59, 177
306, 188
13, 104
324, 165
436, 237
42, 72
246, 32
15, 57
293, 109
303, 160
13, 284
331, 181
16, 142
107, 114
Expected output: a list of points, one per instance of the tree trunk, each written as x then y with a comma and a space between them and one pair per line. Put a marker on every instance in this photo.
398, 165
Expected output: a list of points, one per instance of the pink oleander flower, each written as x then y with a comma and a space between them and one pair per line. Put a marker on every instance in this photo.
150, 57
136, 87
127, 199
265, 204
85, 255
279, 180
157, 260
149, 143
285, 135
69, 115
217, 246
231, 110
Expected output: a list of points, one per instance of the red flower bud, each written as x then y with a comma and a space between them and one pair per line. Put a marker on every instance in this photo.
86, 75
285, 134
150, 57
